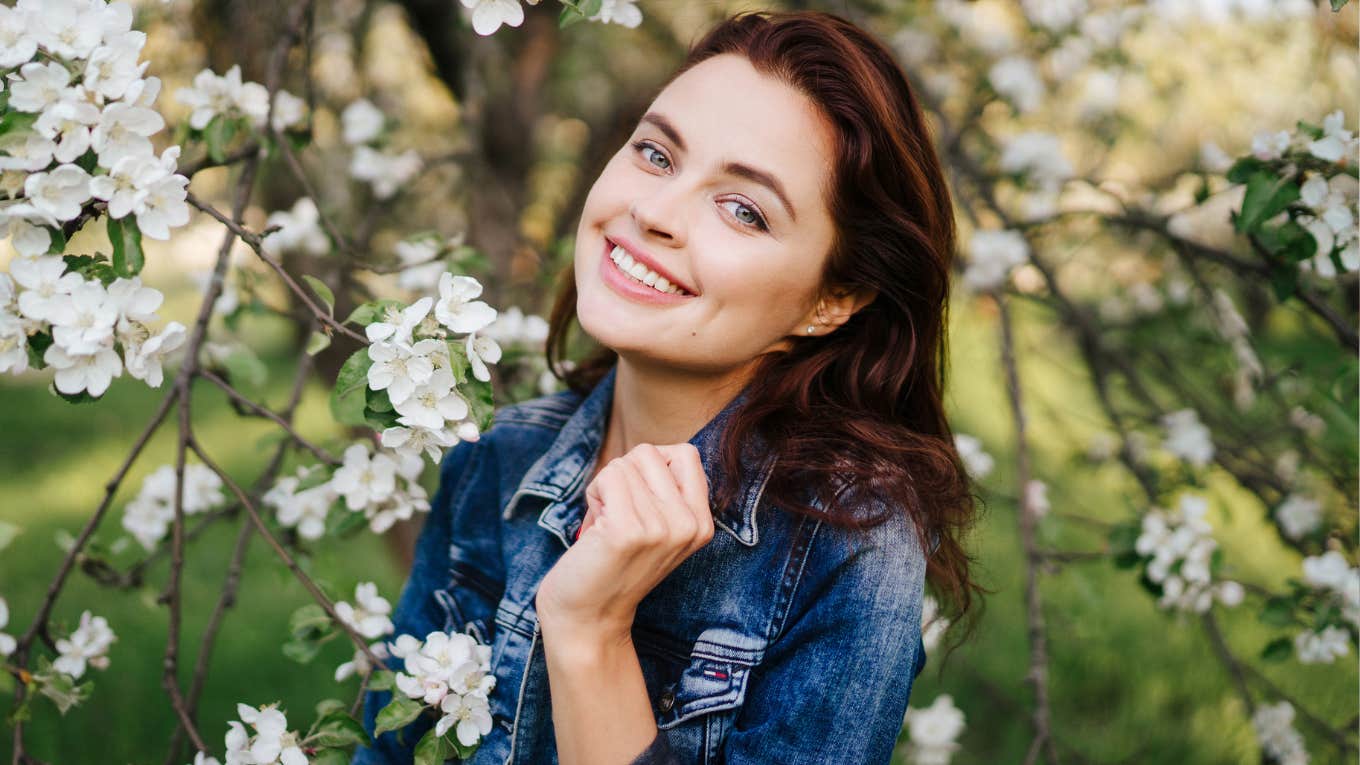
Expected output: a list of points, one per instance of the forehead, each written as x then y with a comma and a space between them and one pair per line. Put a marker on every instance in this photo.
725, 109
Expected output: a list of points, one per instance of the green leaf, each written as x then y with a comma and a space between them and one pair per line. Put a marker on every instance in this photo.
1278, 612
348, 397
38, 343
397, 714
1278, 649
590, 7
1267, 195
338, 729
1338, 4
127, 247
379, 401
217, 134
62, 690
14, 121
82, 397
302, 651
327, 707
322, 291
1289, 241
432, 749
381, 679
569, 16
370, 312
58, 238
1246, 167
96, 267
345, 522
1284, 279
309, 618
483, 407
330, 757
318, 342
246, 369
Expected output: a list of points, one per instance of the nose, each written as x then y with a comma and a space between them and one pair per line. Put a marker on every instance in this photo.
661, 215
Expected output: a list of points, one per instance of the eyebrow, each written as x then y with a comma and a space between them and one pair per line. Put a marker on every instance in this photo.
738, 169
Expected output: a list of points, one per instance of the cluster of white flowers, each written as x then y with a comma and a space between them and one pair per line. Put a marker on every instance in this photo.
304, 509
84, 92
991, 256
1322, 646
934, 731
299, 231
421, 264
488, 15
1039, 157
370, 616
149, 515
452, 672
933, 623
271, 744
360, 664
1331, 572
1332, 222
1180, 546
213, 95
1274, 724
89, 644
1187, 437
7, 641
1017, 79
368, 482
978, 462
384, 171
1299, 515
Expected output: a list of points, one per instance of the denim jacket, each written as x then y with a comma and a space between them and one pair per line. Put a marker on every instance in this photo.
783, 640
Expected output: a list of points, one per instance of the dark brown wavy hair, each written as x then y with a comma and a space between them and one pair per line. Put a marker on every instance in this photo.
859, 410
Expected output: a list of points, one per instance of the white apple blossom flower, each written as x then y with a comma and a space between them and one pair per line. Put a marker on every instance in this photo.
299, 230
370, 616
17, 44
124, 130
1187, 437
457, 308
978, 462
13, 342
64, 29
488, 15
992, 255
82, 321
1274, 724
364, 479
7, 642
113, 67
361, 665
1179, 547
203, 758
1269, 146
226, 95
623, 12
43, 281
398, 368
135, 303
26, 150
60, 193
412, 442
1017, 79
289, 110
144, 360
934, 731
1054, 15
305, 510
513, 327
91, 372
361, 122
471, 714
272, 743
164, 206
1099, 93
38, 85
1326, 571
1322, 647
1038, 155
933, 623
1299, 516
88, 644
444, 664
126, 184
480, 352
1036, 493
147, 519
67, 122
384, 172
433, 404
1213, 158
1336, 142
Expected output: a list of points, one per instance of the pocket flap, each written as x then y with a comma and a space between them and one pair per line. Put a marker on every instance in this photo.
706, 685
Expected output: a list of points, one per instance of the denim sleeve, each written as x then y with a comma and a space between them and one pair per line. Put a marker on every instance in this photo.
658, 752
834, 684
417, 612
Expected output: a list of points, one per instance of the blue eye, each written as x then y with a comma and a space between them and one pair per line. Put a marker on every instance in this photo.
640, 145
754, 218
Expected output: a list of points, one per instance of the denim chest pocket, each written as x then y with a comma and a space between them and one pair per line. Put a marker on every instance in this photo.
469, 601
697, 688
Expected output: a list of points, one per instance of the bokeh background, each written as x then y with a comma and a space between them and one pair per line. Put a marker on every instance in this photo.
513, 128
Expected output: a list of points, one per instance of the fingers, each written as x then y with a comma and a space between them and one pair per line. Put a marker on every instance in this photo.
693, 481
654, 495
677, 521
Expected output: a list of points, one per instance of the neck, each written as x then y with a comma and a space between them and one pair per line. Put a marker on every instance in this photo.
662, 405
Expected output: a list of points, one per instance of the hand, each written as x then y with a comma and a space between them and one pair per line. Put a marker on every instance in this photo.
646, 512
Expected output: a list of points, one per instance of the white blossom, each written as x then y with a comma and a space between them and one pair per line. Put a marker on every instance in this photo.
68, 122
370, 615
933, 623
1054, 15
289, 110
1179, 547
1213, 158
934, 731
59, 193
149, 515
1036, 494
26, 150
444, 664
488, 15
385, 172
43, 281
37, 85
13, 342
469, 715
1299, 516
17, 45
978, 462
87, 645
1326, 571
397, 325
299, 230
413, 441
83, 319
126, 185
480, 352
124, 130
91, 372
364, 479
7, 642
399, 369
992, 255
1017, 79
272, 742
144, 360
304, 509
1268, 146
164, 206
1274, 724
513, 327
623, 12
1187, 437
361, 122
1038, 155
1322, 647
113, 67
1336, 142
360, 664
433, 403
457, 308
214, 95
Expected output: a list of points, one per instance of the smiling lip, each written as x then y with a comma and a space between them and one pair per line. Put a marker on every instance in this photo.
628, 287
648, 261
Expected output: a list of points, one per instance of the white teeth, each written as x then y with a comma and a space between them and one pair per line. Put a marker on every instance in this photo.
642, 273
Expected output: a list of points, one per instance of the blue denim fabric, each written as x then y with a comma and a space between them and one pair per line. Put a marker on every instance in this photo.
784, 640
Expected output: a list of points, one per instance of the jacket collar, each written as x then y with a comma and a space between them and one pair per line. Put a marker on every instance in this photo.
559, 475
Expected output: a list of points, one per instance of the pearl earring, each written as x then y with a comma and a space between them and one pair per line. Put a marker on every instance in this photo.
810, 329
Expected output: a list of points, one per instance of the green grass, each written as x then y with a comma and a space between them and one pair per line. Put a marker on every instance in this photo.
1130, 684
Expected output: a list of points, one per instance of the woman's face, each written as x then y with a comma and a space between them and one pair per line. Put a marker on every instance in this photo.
720, 191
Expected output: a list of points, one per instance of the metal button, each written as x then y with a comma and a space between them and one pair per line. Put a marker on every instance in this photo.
667, 700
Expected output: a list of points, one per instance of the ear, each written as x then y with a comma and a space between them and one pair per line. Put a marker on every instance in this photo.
836, 307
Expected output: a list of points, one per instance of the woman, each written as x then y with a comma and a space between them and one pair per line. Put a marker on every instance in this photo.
713, 547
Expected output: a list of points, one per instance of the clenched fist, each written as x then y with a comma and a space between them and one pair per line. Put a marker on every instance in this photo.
646, 512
